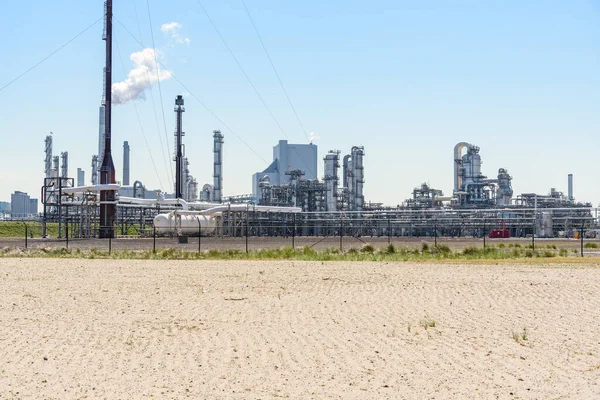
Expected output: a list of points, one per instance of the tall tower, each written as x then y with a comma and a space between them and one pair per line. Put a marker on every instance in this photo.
108, 208
64, 171
179, 182
48, 159
126, 163
218, 166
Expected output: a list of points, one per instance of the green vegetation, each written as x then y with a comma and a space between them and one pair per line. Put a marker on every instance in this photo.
428, 322
590, 245
16, 229
366, 253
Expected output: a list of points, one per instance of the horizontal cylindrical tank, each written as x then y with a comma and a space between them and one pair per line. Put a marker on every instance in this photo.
184, 224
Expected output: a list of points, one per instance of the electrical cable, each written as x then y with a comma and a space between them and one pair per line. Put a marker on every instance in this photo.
51, 54
140, 122
275, 71
162, 107
158, 130
198, 100
251, 83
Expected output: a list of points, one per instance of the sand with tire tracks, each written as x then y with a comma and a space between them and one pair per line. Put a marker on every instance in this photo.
287, 329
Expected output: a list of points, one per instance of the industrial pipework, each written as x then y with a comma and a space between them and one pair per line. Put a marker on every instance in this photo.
458, 163
55, 168
218, 167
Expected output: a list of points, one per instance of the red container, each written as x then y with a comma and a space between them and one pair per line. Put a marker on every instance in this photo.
499, 234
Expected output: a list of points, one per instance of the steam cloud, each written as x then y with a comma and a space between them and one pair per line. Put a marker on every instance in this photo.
172, 28
140, 78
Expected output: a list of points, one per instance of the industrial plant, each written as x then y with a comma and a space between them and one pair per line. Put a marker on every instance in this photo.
289, 197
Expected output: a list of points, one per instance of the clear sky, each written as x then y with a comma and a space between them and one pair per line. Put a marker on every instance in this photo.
405, 79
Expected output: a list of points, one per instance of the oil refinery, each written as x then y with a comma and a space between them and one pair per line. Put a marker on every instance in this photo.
289, 196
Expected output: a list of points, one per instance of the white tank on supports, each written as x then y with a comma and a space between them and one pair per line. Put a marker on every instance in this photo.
185, 224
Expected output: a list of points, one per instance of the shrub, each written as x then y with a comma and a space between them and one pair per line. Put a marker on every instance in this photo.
501, 246
470, 251
549, 253
367, 248
590, 246
563, 252
424, 247
390, 249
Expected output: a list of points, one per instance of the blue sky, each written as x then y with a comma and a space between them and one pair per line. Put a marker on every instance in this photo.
407, 80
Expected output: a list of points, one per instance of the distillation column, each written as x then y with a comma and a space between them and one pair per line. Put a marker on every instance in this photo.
48, 159
94, 170
218, 167
358, 176
332, 164
64, 171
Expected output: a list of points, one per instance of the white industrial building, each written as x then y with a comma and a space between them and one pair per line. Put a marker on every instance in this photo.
288, 157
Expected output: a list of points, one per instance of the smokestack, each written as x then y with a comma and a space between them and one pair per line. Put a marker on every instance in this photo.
80, 177
126, 163
571, 187
108, 208
218, 167
64, 172
179, 109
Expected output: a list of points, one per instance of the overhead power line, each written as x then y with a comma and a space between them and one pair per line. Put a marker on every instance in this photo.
250, 81
162, 107
51, 54
275, 71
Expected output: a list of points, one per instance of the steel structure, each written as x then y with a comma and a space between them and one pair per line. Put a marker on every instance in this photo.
126, 163
108, 206
179, 181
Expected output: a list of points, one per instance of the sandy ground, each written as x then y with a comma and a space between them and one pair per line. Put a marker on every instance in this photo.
264, 330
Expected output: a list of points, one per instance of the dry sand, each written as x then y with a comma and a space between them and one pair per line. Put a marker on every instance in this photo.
286, 329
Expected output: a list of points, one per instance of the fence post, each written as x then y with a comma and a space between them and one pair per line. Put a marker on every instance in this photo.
247, 221
484, 234
199, 235
294, 232
435, 234
154, 239
389, 230
109, 244
26, 234
67, 234
581, 236
341, 235
533, 235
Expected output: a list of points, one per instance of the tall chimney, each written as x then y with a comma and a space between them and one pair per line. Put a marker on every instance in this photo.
571, 198
126, 163
179, 182
48, 159
218, 167
108, 208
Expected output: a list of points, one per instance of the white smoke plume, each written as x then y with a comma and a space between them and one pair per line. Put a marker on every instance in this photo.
312, 136
172, 28
140, 78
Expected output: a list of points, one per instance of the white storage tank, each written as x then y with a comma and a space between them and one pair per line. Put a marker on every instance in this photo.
184, 224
